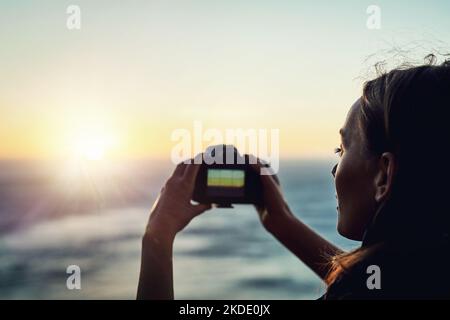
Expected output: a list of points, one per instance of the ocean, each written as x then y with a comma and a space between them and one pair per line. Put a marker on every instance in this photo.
56, 214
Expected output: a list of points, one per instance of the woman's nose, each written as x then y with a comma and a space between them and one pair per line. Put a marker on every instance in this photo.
333, 171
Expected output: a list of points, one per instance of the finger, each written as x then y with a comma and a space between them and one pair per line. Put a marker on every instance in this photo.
200, 208
259, 208
191, 172
267, 170
269, 183
257, 165
275, 177
179, 170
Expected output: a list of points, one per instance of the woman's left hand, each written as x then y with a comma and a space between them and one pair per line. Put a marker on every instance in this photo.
173, 210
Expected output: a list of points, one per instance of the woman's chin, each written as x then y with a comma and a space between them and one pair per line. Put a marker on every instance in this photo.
344, 230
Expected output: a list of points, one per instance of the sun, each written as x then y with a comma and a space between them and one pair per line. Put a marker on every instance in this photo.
91, 150
91, 146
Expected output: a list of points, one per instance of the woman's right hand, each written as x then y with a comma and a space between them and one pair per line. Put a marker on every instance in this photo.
273, 210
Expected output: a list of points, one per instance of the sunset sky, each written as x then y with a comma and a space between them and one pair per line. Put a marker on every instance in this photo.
135, 73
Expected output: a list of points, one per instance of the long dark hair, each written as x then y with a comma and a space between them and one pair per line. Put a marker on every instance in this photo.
404, 112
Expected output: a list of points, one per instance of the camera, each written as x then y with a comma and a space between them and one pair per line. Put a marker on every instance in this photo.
225, 178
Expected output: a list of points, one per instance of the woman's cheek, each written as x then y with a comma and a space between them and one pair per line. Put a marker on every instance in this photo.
339, 182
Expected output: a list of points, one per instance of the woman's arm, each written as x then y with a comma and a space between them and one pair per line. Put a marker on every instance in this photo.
278, 219
171, 212
156, 277
306, 244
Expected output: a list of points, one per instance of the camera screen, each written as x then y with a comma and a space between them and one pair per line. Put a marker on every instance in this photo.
225, 182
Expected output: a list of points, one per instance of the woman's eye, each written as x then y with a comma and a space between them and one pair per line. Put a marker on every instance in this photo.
338, 151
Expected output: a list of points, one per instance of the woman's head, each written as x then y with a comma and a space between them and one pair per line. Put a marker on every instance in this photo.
392, 178
354, 177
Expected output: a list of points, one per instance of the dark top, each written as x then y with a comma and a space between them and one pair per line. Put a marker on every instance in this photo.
420, 273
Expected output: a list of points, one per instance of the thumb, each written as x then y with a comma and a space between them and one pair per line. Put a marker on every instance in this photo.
200, 208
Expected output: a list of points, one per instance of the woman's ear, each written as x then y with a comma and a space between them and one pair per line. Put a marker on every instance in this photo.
384, 177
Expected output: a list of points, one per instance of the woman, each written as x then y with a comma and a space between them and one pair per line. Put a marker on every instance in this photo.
392, 187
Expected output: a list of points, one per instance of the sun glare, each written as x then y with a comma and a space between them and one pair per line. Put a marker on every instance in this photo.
91, 146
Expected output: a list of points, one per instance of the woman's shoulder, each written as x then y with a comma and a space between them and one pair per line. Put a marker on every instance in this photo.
393, 274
